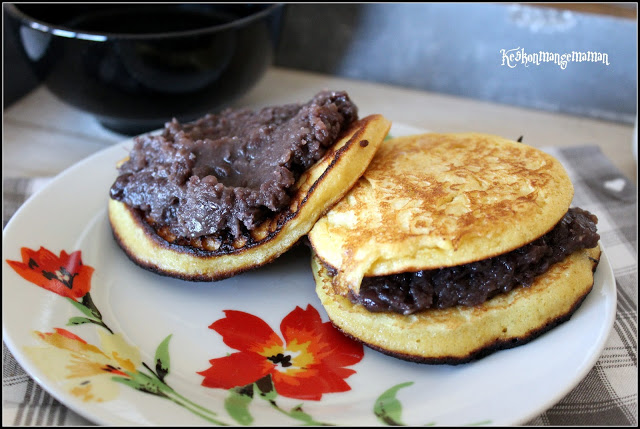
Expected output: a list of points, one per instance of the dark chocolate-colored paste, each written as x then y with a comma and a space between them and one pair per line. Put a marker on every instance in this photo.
474, 283
225, 174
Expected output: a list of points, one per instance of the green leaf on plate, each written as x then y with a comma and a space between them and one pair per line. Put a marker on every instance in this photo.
162, 359
144, 383
79, 321
138, 383
299, 414
237, 404
387, 407
80, 306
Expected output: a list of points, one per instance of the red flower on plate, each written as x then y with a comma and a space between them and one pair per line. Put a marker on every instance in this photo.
309, 362
64, 274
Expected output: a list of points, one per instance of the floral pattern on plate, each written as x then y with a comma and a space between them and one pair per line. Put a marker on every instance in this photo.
311, 359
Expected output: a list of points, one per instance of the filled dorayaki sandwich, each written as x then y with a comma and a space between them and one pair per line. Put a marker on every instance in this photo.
232, 191
452, 246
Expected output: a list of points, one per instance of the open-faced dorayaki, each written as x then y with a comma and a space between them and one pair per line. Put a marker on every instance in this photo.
230, 192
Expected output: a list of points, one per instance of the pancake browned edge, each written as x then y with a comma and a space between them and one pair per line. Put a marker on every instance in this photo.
319, 188
476, 197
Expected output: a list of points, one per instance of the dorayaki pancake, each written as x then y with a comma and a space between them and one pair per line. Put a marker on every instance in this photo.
461, 334
212, 258
436, 218
437, 200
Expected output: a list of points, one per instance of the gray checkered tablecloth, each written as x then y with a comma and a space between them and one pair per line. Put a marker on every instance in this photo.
607, 396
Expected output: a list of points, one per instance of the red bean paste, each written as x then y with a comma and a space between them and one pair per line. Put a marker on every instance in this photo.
224, 174
474, 283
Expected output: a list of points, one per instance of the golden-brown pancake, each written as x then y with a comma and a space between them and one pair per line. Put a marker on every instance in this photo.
433, 201
208, 259
437, 200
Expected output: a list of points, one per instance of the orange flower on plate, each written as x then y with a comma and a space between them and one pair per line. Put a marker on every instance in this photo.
311, 360
64, 274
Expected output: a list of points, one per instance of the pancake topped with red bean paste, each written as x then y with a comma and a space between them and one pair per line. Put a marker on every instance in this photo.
232, 191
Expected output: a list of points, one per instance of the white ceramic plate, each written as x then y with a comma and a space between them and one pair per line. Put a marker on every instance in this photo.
161, 324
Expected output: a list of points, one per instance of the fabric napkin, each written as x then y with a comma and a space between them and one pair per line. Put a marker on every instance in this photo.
608, 395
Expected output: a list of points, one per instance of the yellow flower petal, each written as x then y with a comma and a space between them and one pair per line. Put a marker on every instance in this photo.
122, 353
79, 367
300, 355
96, 389
50, 360
272, 350
83, 369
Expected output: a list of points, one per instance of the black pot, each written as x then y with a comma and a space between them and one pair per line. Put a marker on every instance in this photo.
136, 66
